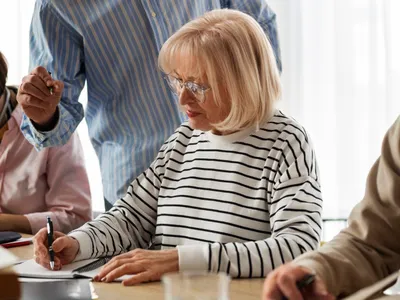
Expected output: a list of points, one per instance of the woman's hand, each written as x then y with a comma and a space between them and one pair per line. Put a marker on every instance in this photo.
282, 282
144, 265
65, 249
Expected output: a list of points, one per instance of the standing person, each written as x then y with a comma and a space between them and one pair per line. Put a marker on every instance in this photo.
34, 185
113, 46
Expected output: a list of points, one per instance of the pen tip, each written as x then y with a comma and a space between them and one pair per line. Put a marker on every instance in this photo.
52, 265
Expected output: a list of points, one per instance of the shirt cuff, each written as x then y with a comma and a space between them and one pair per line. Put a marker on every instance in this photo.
39, 221
38, 138
193, 257
85, 247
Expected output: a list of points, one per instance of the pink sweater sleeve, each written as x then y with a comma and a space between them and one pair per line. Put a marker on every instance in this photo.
68, 198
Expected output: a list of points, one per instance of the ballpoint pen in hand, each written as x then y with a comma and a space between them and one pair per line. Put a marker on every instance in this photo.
50, 241
302, 283
50, 88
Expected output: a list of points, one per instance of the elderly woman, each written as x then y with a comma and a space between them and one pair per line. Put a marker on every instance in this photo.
235, 189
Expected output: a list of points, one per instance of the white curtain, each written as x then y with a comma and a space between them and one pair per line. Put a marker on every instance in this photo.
341, 80
341, 75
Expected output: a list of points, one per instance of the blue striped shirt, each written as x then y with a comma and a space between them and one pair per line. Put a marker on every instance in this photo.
113, 46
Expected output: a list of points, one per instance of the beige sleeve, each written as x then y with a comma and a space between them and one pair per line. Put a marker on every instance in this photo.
369, 249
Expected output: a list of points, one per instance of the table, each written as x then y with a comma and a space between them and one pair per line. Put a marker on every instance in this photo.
239, 288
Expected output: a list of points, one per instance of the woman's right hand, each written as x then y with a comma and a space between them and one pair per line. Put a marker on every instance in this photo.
65, 249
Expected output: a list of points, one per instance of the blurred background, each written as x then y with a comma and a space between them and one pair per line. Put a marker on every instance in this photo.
341, 74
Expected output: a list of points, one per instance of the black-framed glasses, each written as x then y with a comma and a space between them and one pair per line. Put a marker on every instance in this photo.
177, 85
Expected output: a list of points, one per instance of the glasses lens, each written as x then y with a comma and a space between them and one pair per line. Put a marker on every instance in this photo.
196, 90
173, 83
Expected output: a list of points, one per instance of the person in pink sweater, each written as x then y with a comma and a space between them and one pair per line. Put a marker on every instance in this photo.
34, 185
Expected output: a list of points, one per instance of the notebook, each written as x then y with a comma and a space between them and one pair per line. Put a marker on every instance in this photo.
8, 236
56, 290
88, 268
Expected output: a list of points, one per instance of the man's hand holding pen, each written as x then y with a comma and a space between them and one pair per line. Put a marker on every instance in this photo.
39, 95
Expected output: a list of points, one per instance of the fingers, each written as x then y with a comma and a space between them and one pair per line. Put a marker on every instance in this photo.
282, 282
28, 100
116, 269
271, 289
43, 75
138, 278
41, 251
40, 242
287, 283
44, 261
35, 86
60, 243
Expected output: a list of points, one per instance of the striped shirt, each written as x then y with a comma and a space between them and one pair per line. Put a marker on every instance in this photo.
113, 45
243, 203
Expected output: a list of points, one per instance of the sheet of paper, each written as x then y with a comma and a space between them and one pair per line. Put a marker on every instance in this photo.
7, 258
30, 268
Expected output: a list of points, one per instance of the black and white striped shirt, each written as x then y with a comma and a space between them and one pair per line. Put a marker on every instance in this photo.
242, 203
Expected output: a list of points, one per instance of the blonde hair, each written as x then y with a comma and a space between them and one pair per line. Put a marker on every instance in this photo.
237, 59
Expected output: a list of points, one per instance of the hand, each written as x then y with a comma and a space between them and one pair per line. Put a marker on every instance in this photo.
144, 265
65, 249
282, 282
35, 98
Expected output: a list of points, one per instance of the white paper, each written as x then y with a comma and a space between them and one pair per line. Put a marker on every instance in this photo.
31, 269
7, 258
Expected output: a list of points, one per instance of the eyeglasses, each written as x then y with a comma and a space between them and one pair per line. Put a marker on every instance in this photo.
177, 85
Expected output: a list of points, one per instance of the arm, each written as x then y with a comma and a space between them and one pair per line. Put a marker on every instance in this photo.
18, 223
368, 250
260, 11
50, 39
68, 198
295, 218
128, 225
131, 223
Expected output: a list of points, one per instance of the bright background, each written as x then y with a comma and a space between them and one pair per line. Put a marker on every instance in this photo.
341, 69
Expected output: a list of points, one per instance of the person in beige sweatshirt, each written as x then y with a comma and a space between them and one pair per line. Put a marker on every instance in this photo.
362, 254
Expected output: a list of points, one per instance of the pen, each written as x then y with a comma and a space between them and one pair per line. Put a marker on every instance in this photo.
302, 283
50, 88
50, 241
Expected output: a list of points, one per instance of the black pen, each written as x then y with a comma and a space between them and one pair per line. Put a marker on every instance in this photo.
302, 283
50, 88
50, 241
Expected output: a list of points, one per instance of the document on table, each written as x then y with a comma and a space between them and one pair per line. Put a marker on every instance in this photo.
88, 268
7, 258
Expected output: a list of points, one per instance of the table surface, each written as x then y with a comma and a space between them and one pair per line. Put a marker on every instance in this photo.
239, 288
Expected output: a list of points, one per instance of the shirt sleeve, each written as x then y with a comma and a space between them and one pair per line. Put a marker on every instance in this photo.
131, 222
295, 219
369, 249
68, 198
265, 16
56, 46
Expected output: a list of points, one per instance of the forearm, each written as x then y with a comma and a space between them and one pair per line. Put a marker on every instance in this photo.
18, 223
249, 260
47, 29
